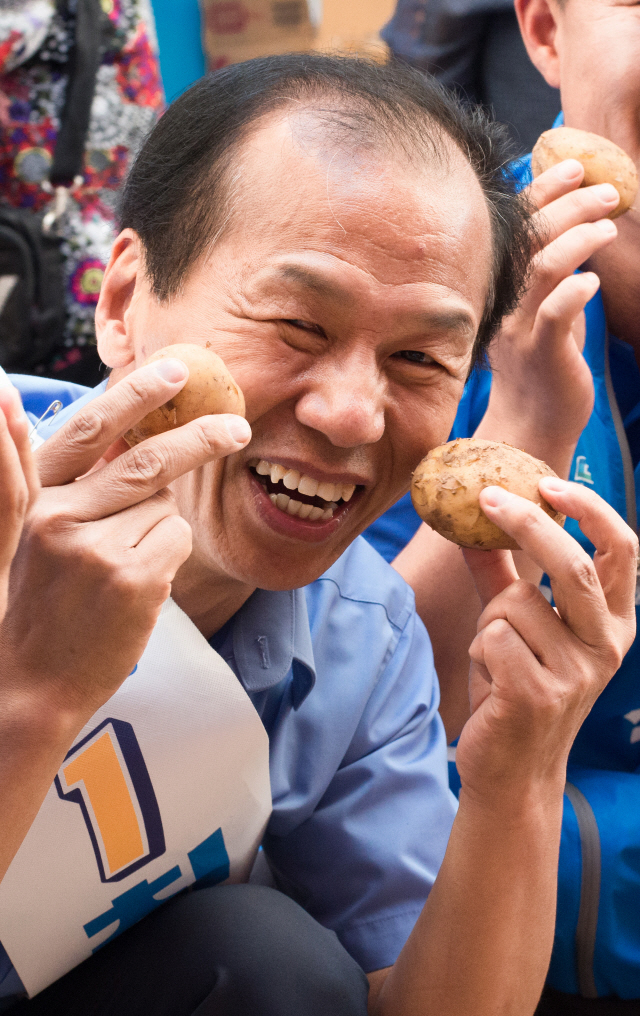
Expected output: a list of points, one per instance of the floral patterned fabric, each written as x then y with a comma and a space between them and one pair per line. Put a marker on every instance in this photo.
36, 38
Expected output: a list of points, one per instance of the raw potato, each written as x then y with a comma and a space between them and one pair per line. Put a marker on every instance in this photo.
209, 389
603, 161
446, 487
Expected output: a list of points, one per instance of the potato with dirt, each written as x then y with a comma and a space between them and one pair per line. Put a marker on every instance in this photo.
446, 487
209, 389
603, 161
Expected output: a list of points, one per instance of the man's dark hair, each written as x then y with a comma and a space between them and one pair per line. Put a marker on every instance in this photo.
177, 195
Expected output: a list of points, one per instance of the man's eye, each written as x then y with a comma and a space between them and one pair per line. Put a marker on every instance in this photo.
414, 356
306, 326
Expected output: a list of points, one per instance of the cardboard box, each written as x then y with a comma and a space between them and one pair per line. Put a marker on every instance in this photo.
236, 30
353, 26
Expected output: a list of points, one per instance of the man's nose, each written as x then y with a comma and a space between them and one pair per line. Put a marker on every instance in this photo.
345, 401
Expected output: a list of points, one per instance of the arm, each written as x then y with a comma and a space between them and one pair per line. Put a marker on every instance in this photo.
99, 545
483, 941
541, 400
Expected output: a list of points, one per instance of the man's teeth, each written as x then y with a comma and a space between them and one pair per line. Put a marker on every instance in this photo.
303, 511
293, 480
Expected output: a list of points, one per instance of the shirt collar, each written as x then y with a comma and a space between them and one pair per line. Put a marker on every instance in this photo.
271, 636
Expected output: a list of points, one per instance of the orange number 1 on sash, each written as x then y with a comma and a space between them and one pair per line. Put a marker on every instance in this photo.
106, 775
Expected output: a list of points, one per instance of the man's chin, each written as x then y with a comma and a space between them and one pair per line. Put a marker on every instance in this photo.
267, 548
277, 571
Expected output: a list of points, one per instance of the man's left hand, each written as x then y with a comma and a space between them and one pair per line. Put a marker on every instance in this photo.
536, 671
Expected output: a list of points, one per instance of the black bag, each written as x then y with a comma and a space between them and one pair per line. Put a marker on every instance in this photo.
32, 306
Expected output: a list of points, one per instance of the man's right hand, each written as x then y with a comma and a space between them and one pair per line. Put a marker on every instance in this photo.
537, 670
101, 546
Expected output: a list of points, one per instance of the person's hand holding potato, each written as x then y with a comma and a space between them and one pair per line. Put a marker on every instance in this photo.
100, 548
535, 674
542, 390
541, 400
530, 661
104, 544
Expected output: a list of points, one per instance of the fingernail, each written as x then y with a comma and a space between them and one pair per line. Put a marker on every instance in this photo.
554, 483
496, 497
606, 192
170, 370
606, 226
569, 169
238, 429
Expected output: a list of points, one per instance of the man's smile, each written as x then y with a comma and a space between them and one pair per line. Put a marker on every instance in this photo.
298, 494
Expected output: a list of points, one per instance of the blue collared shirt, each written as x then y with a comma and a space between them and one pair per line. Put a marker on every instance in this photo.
341, 673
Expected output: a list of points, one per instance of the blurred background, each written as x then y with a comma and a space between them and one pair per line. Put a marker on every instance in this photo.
194, 36
473, 46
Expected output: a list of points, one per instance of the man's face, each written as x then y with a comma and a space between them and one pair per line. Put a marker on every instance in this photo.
598, 43
344, 296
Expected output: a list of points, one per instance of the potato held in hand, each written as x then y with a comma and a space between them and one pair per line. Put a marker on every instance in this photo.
446, 487
209, 389
603, 161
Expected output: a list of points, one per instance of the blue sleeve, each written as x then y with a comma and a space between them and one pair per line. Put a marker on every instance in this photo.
364, 860
393, 530
473, 404
39, 392
520, 170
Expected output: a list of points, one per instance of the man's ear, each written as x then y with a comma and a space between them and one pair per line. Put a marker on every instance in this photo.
123, 275
538, 21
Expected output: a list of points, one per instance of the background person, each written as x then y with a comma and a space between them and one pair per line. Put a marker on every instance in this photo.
36, 44
566, 41
350, 335
475, 47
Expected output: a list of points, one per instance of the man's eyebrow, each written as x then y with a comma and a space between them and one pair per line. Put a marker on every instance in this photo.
313, 280
450, 321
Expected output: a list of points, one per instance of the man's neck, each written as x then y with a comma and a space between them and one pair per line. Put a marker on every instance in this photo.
207, 598
618, 267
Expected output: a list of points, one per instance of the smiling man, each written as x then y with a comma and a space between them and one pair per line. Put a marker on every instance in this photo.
343, 236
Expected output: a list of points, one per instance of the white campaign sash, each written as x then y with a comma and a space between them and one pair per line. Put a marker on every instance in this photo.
166, 784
